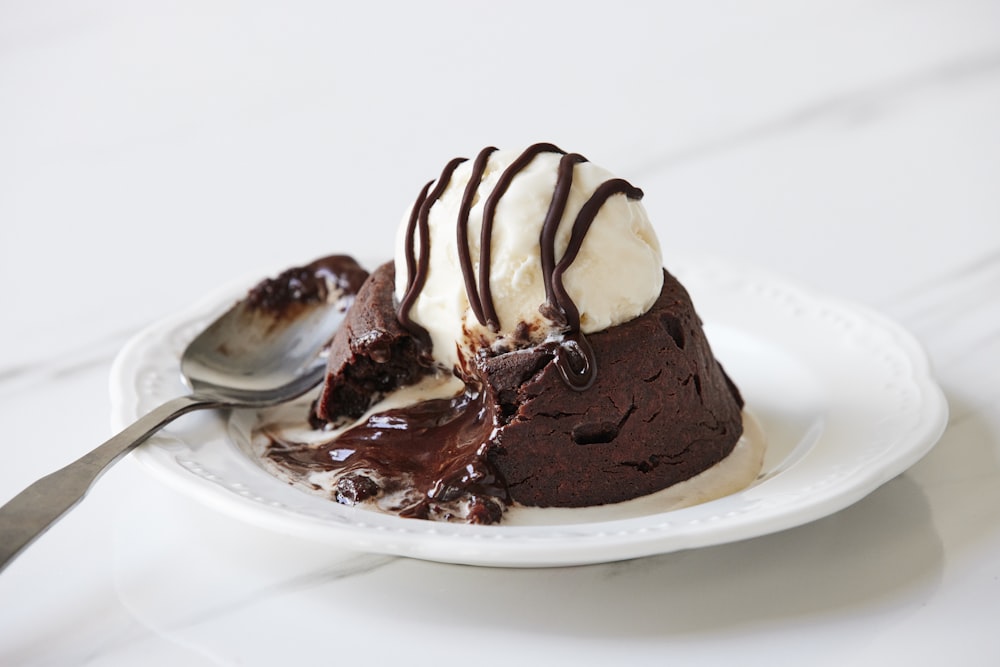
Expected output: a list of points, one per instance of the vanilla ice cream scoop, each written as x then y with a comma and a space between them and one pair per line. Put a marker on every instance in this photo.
514, 249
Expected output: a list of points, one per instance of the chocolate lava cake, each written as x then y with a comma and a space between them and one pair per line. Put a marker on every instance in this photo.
537, 411
660, 410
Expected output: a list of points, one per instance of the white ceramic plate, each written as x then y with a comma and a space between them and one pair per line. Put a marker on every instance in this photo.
845, 398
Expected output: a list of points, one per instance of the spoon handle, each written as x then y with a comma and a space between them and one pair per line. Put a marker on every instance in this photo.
31, 512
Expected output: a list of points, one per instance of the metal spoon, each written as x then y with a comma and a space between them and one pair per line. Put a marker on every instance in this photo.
253, 356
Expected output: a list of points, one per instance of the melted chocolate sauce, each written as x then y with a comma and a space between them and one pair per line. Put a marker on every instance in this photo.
428, 460
575, 358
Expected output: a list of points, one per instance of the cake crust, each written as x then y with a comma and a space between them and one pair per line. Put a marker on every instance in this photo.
661, 410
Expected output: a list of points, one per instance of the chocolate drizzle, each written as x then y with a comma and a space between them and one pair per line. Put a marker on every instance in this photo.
492, 320
547, 240
558, 295
464, 257
416, 271
574, 357
412, 269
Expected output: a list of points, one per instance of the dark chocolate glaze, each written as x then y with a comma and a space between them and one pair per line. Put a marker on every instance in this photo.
575, 360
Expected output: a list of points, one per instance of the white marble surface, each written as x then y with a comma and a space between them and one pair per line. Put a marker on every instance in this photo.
150, 152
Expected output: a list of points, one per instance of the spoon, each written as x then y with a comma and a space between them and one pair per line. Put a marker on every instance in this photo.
263, 351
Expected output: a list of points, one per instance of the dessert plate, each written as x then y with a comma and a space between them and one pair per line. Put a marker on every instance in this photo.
844, 396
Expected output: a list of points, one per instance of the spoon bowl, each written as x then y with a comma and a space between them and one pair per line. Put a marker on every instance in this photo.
257, 357
265, 350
